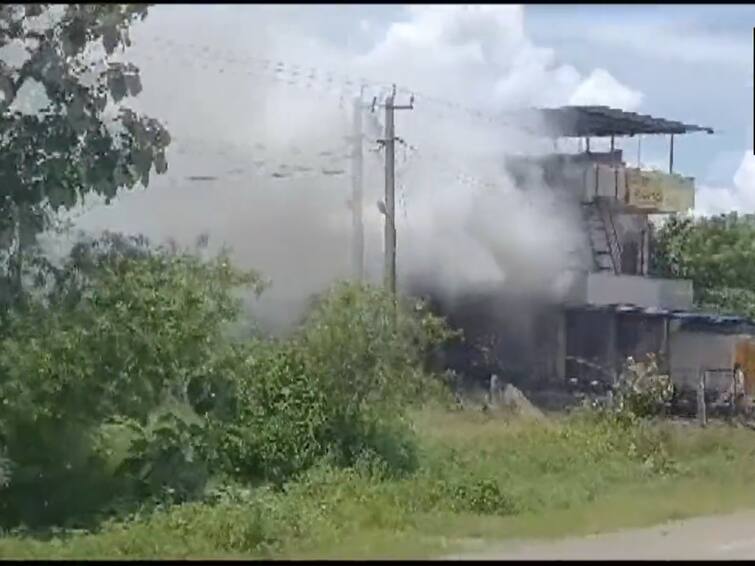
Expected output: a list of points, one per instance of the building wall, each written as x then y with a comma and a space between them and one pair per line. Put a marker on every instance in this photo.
609, 289
692, 352
633, 232
579, 178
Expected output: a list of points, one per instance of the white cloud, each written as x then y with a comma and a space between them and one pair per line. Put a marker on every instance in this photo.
482, 55
601, 88
739, 197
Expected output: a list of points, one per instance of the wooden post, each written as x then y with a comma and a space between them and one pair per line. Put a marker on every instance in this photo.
701, 400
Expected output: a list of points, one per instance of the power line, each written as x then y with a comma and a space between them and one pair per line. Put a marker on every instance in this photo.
282, 70
350, 85
325, 163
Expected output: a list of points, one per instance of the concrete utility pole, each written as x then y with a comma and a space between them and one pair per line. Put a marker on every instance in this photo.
389, 207
357, 205
701, 416
639, 151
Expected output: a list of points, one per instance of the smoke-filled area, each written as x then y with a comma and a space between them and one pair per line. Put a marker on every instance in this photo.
262, 165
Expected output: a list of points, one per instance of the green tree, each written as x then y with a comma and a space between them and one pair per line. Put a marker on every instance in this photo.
81, 139
117, 331
717, 254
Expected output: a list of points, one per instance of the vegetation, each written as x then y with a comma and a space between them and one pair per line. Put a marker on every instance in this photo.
139, 422
140, 418
65, 129
642, 390
480, 477
128, 348
717, 254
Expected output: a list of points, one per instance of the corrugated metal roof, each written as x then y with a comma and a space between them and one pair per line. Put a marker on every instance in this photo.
600, 121
688, 319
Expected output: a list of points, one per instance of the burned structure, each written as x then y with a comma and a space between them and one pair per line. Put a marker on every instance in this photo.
613, 309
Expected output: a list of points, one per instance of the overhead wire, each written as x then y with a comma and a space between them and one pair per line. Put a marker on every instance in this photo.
350, 85
331, 84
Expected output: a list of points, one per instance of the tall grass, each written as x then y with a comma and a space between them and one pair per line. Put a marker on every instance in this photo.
478, 477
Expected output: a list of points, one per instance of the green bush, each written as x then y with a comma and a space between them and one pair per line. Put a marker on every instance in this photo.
642, 390
338, 389
134, 339
115, 332
367, 352
277, 427
483, 496
167, 459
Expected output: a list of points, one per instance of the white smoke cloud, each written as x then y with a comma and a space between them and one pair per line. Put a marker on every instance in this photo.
242, 128
601, 88
482, 55
739, 197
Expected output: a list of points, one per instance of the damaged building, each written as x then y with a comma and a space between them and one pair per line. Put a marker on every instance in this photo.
614, 309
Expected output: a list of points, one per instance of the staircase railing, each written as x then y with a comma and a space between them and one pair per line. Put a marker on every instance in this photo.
612, 235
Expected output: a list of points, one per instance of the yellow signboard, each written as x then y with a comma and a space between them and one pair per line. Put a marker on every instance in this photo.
659, 192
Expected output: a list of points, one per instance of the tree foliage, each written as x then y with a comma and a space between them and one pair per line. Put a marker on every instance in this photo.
81, 139
128, 341
112, 335
336, 389
717, 254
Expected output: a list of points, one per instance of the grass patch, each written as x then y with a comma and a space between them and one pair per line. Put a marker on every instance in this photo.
480, 479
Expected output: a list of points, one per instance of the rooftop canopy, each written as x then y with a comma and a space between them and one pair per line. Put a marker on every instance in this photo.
599, 121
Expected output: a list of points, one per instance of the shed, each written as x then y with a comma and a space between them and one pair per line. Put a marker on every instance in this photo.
600, 338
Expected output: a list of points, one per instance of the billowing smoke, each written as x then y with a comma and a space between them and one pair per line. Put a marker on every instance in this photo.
262, 165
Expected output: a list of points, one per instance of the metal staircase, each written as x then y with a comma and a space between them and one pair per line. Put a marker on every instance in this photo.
602, 236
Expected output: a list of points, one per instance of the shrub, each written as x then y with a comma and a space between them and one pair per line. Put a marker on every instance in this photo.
366, 349
167, 459
113, 333
338, 389
642, 390
123, 330
483, 496
277, 428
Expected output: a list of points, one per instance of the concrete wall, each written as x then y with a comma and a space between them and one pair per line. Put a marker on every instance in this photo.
609, 289
549, 346
633, 232
605, 181
691, 352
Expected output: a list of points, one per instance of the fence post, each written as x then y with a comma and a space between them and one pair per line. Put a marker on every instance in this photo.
733, 402
701, 399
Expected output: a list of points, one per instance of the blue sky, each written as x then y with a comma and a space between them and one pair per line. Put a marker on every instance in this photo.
677, 83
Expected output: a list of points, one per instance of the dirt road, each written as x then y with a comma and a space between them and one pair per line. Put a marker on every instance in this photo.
730, 537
